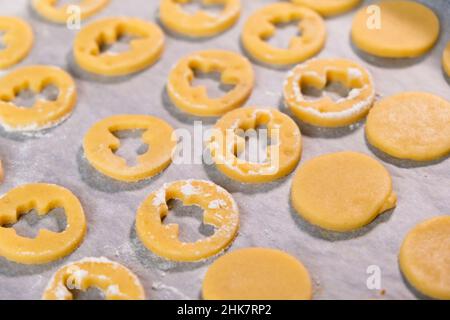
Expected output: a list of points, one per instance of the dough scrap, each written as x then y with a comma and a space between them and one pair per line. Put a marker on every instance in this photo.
261, 25
395, 29
17, 38
342, 191
47, 246
202, 23
220, 211
235, 70
411, 125
329, 7
100, 145
446, 60
425, 257
257, 274
114, 280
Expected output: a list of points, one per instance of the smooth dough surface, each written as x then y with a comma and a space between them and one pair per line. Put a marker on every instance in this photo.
395, 29
425, 257
329, 7
411, 125
342, 191
446, 60
17, 38
114, 280
257, 274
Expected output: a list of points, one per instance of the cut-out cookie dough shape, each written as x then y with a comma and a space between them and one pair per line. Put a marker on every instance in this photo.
100, 145
257, 274
324, 111
145, 49
51, 11
44, 113
395, 29
446, 60
425, 255
410, 125
262, 25
200, 24
329, 7
17, 38
220, 211
235, 70
115, 281
342, 191
283, 151
47, 246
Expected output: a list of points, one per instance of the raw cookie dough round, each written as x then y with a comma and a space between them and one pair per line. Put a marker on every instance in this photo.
329, 7
411, 125
261, 25
257, 274
47, 246
146, 47
114, 280
228, 140
44, 113
425, 257
100, 145
201, 23
50, 10
235, 70
342, 191
17, 38
395, 29
446, 60
324, 111
220, 211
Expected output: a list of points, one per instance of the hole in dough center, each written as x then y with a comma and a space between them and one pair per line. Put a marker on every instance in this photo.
285, 32
131, 145
212, 82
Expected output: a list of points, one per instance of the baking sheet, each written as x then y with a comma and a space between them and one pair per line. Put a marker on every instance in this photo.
337, 262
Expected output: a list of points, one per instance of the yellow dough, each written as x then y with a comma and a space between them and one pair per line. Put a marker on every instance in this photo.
17, 37
145, 49
411, 125
47, 246
329, 7
262, 25
100, 146
235, 70
220, 211
283, 154
114, 280
425, 257
257, 274
446, 60
43, 114
342, 191
395, 29
50, 10
324, 111
201, 23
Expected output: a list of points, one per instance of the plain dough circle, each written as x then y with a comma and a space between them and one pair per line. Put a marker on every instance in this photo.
411, 125
446, 60
425, 257
18, 38
407, 29
329, 7
342, 191
257, 274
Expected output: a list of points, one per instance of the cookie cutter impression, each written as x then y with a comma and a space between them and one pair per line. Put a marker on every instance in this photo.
17, 39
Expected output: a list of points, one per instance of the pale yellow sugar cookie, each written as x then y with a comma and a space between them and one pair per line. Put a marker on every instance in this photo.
146, 46
342, 191
220, 211
446, 60
411, 125
425, 257
235, 70
47, 246
261, 25
17, 38
115, 281
395, 29
201, 23
283, 152
323, 111
257, 274
44, 113
329, 7
82, 9
100, 145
